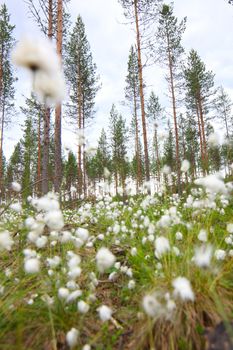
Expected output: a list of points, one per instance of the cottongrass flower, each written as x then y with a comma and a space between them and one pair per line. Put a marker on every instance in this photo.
202, 236
220, 254
42, 60
6, 241
162, 246
183, 289
32, 265
104, 259
203, 255
72, 337
36, 55
213, 183
185, 166
49, 90
105, 313
16, 207
83, 307
152, 306
230, 228
16, 186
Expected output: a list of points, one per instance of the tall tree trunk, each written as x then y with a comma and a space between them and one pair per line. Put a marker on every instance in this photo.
39, 156
58, 110
1, 126
45, 160
144, 130
200, 136
174, 115
203, 133
46, 137
157, 153
80, 179
137, 151
1, 152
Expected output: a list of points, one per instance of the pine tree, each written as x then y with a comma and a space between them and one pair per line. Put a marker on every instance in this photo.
34, 111
143, 14
83, 83
132, 95
170, 51
154, 114
119, 137
29, 149
6, 78
199, 86
70, 172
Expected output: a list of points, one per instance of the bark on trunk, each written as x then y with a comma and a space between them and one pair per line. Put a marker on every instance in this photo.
144, 130
46, 137
58, 111
39, 156
174, 116
45, 160
203, 133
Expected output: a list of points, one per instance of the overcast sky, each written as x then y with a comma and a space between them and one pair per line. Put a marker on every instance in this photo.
209, 31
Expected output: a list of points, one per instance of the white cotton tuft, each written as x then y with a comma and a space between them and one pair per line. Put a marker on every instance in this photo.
82, 233
220, 254
183, 289
83, 307
166, 169
6, 241
72, 337
185, 166
162, 246
16, 207
16, 186
32, 265
104, 259
213, 183
54, 220
202, 236
33, 54
105, 313
151, 306
203, 255
49, 89
213, 139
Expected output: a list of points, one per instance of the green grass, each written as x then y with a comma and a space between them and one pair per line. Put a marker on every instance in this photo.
39, 326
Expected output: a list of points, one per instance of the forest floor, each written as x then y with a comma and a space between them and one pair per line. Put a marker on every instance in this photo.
163, 294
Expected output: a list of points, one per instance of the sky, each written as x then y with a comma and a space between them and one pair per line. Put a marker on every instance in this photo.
209, 31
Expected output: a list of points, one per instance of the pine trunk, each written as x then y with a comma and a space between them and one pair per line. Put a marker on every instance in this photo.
80, 179
174, 115
46, 137
45, 160
137, 151
39, 156
147, 165
58, 111
1, 151
203, 133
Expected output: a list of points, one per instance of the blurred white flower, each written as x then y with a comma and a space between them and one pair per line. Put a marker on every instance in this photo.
32, 265
202, 236
105, 313
162, 246
213, 139
203, 255
83, 307
6, 241
16, 186
36, 55
185, 166
183, 289
220, 254
104, 259
72, 337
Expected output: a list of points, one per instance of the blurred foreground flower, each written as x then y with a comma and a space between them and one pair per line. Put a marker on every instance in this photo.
41, 59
